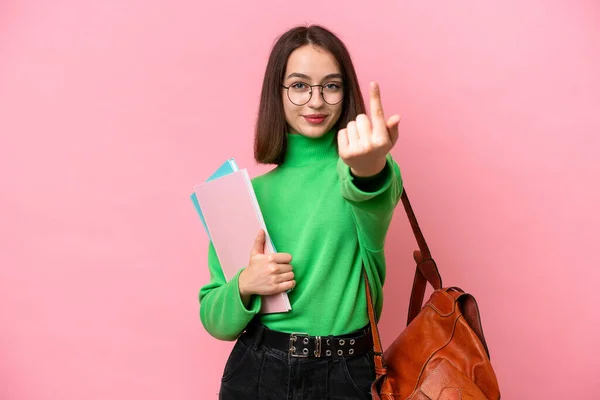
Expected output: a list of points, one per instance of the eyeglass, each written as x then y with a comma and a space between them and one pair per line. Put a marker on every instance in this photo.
300, 93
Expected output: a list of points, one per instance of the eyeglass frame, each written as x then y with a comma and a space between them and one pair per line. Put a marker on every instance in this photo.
287, 88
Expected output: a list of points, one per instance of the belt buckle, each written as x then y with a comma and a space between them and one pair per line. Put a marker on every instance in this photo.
292, 347
318, 347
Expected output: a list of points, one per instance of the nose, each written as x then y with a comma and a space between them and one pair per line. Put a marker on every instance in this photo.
316, 99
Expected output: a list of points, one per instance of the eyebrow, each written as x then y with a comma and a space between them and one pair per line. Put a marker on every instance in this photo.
303, 76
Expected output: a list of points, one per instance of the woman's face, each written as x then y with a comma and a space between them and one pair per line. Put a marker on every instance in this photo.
310, 65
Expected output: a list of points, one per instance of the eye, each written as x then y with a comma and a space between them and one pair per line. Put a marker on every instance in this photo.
299, 86
333, 86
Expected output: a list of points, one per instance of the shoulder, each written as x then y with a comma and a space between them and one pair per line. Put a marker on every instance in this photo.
264, 178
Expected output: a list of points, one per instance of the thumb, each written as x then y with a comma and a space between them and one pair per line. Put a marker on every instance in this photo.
259, 243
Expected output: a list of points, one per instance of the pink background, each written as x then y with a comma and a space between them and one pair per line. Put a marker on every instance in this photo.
111, 111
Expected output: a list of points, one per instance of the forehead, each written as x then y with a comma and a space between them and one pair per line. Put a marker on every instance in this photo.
312, 61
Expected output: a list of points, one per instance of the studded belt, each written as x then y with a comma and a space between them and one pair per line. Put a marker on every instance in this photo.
303, 345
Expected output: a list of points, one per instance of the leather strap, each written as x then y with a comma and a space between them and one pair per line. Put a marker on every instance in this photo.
380, 367
426, 271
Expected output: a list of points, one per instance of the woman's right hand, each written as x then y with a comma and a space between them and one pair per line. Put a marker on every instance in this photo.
266, 273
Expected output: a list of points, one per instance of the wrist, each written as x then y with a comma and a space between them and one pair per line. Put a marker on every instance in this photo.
242, 284
370, 171
244, 295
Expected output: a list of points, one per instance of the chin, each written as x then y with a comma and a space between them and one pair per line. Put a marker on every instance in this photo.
314, 131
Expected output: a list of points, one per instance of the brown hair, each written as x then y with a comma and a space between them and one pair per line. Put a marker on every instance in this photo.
270, 140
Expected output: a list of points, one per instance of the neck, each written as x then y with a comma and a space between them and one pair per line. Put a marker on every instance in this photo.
303, 150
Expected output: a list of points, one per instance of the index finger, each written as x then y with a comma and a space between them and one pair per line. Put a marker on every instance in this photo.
375, 104
282, 258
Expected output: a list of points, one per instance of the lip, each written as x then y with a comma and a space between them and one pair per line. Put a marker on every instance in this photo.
315, 118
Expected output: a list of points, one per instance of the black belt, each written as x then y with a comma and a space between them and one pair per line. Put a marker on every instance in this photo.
302, 345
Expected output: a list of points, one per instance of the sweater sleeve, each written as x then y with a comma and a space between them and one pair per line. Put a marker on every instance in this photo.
372, 209
372, 203
222, 312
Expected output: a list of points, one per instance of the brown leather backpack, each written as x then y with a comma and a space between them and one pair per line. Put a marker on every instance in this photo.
441, 354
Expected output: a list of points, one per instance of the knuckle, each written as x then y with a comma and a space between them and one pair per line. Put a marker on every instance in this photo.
379, 143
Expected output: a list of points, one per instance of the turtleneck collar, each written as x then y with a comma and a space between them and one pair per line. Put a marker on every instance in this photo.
303, 151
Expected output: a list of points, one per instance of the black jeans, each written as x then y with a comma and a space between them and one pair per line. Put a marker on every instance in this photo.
256, 372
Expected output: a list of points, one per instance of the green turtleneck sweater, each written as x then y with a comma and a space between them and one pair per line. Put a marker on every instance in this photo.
314, 211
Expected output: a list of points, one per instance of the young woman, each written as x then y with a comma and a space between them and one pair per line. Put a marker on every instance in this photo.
327, 205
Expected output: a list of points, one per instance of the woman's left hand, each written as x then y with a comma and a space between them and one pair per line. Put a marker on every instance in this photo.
363, 145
